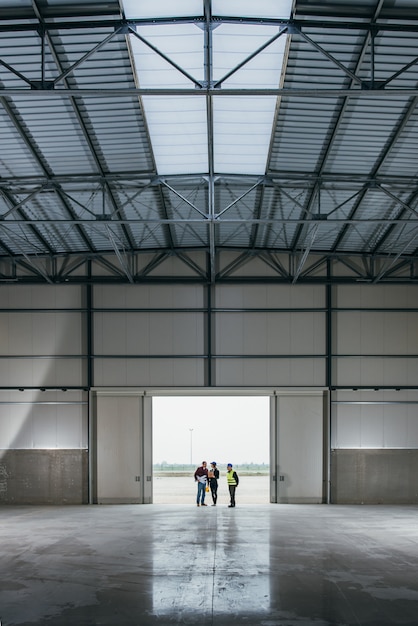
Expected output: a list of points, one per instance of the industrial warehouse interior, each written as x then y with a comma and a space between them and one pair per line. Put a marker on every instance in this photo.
209, 199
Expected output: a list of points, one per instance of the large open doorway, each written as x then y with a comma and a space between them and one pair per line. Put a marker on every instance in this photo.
290, 426
189, 430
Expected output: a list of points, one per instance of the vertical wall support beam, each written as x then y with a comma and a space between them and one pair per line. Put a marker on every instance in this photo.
273, 449
89, 346
326, 490
90, 428
327, 395
328, 374
92, 448
209, 336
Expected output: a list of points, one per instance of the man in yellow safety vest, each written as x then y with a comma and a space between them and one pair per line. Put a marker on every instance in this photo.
233, 481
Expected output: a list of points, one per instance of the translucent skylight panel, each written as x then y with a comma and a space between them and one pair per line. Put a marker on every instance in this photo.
245, 123
178, 132
242, 134
279, 9
177, 125
162, 8
182, 44
235, 43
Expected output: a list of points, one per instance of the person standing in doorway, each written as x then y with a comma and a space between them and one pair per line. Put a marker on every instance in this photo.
233, 481
213, 482
201, 477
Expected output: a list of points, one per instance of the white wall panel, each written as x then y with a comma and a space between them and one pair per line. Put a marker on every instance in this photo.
372, 427
116, 296
346, 426
109, 333
376, 332
232, 372
270, 372
395, 426
43, 372
177, 296
21, 427
20, 335
44, 426
136, 338
278, 337
45, 339
41, 425
177, 372
412, 427
13, 371
229, 333
270, 296
59, 333
148, 296
397, 369
381, 419
176, 333
45, 333
400, 333
15, 427
346, 332
307, 331
149, 333
375, 296
72, 424
307, 372
56, 296
375, 372
270, 333
149, 372
111, 372
41, 296
69, 373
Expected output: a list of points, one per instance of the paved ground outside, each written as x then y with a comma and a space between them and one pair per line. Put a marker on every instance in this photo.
182, 490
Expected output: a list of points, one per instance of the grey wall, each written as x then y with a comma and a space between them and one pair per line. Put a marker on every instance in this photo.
43, 446
374, 440
351, 340
166, 335
44, 477
374, 476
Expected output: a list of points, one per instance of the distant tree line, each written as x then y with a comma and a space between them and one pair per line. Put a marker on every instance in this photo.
179, 469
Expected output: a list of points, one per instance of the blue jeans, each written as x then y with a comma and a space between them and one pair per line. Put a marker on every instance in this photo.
201, 492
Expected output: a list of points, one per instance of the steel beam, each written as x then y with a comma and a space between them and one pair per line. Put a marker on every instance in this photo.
90, 23
283, 92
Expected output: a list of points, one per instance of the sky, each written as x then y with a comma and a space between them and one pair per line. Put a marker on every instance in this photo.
222, 429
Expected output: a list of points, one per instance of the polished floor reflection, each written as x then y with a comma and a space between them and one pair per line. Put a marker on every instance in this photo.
269, 565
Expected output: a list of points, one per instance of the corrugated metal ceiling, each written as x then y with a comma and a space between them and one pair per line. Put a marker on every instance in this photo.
79, 183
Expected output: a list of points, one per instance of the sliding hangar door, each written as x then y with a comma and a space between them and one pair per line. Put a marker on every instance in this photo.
80, 364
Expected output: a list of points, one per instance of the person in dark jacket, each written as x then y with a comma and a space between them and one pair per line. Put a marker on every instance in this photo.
213, 482
201, 477
233, 481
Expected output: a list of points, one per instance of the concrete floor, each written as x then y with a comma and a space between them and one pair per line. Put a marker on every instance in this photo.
267, 565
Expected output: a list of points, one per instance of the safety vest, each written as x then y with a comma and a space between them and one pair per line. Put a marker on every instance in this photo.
230, 478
